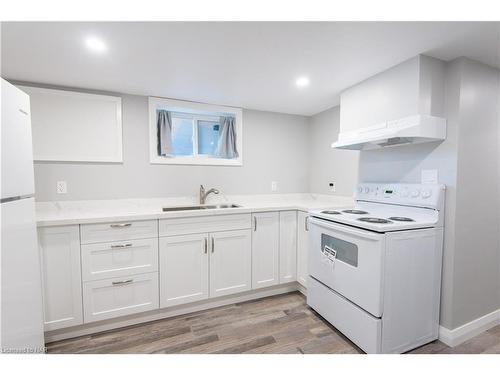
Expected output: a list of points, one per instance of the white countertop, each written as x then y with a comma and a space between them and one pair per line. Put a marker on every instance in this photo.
98, 211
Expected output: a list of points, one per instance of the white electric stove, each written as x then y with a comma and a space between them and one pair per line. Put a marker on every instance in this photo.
375, 268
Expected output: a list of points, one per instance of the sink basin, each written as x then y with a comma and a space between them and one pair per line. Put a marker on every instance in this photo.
200, 207
217, 206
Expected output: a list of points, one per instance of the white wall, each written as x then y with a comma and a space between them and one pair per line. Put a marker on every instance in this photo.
476, 284
275, 149
327, 164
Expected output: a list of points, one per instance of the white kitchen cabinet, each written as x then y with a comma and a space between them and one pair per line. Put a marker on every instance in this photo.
302, 247
288, 246
119, 231
61, 276
265, 249
111, 298
183, 269
119, 258
230, 262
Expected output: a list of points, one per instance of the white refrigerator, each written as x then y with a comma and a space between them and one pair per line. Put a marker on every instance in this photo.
21, 329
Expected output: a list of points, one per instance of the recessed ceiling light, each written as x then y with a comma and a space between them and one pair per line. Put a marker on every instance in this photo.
95, 44
302, 82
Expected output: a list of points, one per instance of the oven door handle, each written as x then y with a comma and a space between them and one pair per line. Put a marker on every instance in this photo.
342, 229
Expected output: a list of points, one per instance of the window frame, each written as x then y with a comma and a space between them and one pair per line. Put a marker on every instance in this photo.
200, 111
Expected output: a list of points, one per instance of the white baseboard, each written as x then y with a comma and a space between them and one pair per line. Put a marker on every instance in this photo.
454, 337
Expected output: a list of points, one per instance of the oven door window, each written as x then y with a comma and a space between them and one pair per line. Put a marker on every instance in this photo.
346, 252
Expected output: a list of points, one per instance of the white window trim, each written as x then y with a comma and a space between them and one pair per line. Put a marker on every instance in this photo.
198, 109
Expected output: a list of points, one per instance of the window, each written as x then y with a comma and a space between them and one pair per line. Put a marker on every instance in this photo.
192, 133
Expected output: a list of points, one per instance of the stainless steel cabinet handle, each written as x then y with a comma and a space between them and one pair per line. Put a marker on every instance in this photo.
115, 283
213, 245
121, 246
206, 245
122, 225
306, 223
255, 223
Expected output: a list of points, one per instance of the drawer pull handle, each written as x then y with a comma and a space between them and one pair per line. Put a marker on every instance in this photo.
206, 245
255, 223
122, 225
116, 283
213, 245
306, 223
121, 246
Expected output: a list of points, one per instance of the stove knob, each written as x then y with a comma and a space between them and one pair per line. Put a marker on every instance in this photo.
360, 189
426, 193
415, 193
367, 190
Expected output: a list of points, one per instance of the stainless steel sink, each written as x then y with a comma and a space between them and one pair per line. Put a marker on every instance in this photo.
217, 206
200, 207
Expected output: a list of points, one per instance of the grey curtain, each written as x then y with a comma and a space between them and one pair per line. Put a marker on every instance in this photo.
164, 126
226, 148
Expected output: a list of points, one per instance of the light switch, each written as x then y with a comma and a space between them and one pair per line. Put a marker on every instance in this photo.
61, 187
274, 185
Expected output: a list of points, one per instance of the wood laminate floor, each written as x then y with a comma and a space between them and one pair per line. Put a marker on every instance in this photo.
279, 324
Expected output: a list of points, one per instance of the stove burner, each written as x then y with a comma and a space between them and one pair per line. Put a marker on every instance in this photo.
375, 220
400, 218
355, 212
330, 212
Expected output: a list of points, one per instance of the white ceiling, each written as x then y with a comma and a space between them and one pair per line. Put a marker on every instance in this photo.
245, 64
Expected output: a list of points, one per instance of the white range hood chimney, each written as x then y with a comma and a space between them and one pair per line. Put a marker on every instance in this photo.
401, 105
408, 130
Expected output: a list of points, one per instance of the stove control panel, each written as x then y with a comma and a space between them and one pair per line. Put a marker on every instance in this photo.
420, 195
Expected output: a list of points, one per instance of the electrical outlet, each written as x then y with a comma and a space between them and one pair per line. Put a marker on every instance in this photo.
274, 185
429, 176
61, 187
332, 186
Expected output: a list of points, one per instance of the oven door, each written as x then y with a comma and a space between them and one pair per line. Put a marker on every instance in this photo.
349, 261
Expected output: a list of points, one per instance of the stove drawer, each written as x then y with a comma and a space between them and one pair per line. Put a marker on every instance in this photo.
349, 261
359, 326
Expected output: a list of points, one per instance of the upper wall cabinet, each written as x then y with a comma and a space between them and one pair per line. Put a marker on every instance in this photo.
75, 127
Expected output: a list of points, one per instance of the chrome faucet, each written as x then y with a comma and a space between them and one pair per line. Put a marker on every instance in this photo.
203, 194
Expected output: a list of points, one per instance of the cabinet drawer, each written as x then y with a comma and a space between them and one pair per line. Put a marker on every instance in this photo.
111, 298
362, 328
115, 259
204, 224
118, 231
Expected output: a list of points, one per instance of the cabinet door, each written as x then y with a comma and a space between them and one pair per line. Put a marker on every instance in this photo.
288, 246
183, 269
230, 262
61, 276
265, 249
302, 247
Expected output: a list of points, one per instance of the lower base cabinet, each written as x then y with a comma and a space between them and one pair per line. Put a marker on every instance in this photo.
111, 298
288, 246
61, 276
265, 249
124, 275
230, 262
183, 269
199, 266
302, 247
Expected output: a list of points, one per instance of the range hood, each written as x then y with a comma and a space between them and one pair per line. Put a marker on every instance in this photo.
408, 130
